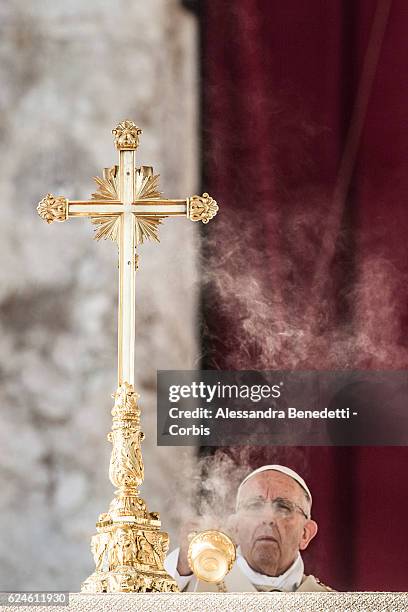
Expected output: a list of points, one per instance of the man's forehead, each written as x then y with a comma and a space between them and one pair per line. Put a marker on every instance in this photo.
270, 483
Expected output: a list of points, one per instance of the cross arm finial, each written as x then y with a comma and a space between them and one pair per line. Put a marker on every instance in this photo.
53, 208
202, 208
126, 135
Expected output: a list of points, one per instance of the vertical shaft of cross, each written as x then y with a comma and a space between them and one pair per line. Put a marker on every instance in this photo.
127, 270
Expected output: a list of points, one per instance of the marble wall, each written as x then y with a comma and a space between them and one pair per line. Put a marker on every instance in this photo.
70, 70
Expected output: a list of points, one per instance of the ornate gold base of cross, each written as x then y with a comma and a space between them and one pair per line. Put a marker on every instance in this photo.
129, 548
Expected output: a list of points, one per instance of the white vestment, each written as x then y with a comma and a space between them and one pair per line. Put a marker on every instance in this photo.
242, 578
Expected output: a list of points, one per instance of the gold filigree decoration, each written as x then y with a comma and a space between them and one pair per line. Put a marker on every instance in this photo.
125, 406
146, 188
99, 549
107, 190
129, 558
146, 184
126, 469
107, 186
108, 227
152, 547
126, 465
147, 228
123, 549
53, 208
202, 208
126, 135
128, 549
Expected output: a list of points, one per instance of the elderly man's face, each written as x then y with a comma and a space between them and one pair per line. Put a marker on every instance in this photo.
270, 535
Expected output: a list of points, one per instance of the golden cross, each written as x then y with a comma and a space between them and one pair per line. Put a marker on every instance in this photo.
127, 208
128, 548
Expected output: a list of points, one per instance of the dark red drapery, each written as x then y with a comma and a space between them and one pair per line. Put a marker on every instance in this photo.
305, 142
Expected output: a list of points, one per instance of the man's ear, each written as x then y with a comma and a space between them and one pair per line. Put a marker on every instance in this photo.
309, 532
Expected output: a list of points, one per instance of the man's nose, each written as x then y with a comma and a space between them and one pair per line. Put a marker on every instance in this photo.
268, 518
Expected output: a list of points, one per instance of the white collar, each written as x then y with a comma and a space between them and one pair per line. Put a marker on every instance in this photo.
288, 581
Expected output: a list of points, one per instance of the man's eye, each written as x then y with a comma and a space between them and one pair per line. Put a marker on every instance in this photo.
254, 505
283, 506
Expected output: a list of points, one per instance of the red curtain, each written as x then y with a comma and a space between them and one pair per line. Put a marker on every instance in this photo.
305, 146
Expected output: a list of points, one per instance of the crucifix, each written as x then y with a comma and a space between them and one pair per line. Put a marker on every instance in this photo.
129, 548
